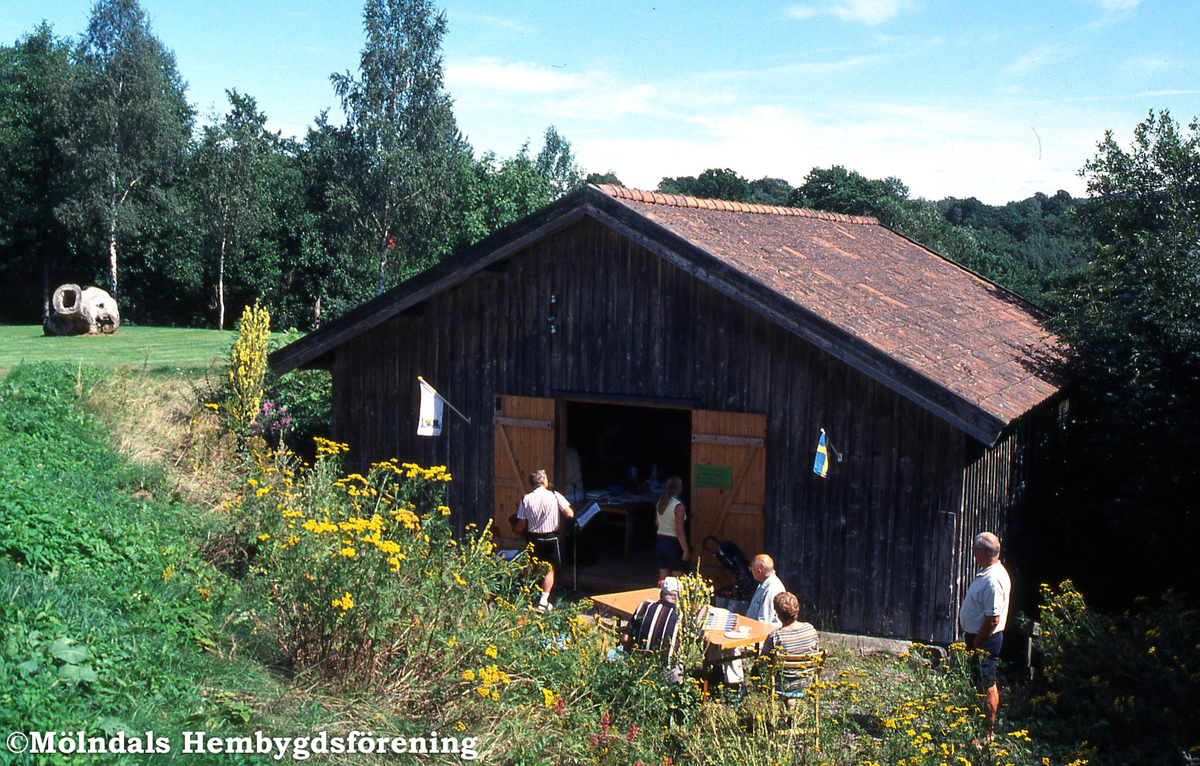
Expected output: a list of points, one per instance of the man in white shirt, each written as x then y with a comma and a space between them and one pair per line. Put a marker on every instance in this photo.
983, 617
539, 514
762, 604
761, 608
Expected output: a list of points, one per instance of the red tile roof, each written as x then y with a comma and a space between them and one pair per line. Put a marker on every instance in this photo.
968, 335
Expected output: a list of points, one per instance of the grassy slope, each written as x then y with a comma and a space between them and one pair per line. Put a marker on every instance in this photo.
145, 347
101, 575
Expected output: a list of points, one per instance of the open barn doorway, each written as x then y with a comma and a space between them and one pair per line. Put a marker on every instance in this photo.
618, 456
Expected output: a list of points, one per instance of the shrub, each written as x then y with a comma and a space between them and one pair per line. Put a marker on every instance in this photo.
359, 578
307, 395
1127, 685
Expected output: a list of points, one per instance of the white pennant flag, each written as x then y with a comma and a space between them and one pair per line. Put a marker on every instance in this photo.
430, 419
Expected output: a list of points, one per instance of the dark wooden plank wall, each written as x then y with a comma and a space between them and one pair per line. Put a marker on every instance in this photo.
876, 547
1001, 486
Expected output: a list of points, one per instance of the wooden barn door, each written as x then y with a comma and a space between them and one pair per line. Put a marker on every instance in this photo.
728, 489
524, 442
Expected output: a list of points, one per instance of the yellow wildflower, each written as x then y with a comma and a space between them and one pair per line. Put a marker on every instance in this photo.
345, 603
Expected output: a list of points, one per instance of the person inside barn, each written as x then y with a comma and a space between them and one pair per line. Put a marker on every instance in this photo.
573, 476
671, 546
983, 616
539, 515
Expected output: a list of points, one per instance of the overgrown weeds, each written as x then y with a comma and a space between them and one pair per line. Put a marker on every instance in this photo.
1125, 687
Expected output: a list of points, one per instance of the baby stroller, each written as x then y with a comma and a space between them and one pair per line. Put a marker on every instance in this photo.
733, 561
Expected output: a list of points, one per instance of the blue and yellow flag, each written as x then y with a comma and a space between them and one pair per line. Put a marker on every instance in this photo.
821, 462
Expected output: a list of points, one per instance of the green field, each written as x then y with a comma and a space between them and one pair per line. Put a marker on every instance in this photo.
150, 348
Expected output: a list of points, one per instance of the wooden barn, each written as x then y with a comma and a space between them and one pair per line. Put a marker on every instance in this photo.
646, 335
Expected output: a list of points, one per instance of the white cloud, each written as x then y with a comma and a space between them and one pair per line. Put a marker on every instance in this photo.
645, 129
516, 77
863, 11
1112, 7
1041, 57
1112, 11
495, 22
853, 63
1144, 65
988, 153
595, 96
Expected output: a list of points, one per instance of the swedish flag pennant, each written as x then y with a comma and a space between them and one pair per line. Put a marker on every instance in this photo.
821, 462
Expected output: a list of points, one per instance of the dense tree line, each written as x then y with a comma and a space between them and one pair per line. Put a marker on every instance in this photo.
115, 183
112, 181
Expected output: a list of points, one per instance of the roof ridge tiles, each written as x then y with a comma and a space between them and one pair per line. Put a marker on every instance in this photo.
702, 203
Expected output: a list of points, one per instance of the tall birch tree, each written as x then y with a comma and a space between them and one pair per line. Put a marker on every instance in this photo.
230, 174
131, 125
402, 139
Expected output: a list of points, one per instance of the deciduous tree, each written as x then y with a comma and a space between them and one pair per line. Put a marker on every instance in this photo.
34, 87
130, 128
1132, 326
556, 165
401, 139
839, 190
713, 183
231, 177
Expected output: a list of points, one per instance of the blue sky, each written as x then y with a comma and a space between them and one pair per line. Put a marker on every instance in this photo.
993, 100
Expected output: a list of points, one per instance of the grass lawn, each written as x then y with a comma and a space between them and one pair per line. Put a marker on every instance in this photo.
148, 348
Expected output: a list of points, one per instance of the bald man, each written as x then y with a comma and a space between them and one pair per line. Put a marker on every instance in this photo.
983, 617
762, 605
761, 608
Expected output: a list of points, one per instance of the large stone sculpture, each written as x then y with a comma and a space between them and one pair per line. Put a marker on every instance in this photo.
79, 312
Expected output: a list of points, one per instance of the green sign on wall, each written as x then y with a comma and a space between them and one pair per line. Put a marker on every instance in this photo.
713, 476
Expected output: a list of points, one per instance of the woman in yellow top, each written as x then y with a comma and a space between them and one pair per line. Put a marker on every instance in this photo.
671, 547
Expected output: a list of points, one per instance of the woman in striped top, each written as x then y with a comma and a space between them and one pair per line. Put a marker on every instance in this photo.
794, 637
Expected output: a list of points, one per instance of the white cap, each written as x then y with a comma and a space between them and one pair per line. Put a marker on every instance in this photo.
670, 586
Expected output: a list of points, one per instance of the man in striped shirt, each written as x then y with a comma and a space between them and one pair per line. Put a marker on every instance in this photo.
539, 514
655, 625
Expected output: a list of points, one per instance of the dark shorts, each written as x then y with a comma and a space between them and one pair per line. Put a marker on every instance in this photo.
546, 547
669, 553
985, 663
